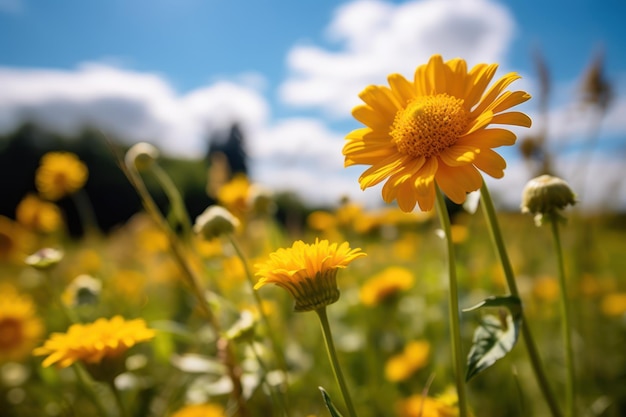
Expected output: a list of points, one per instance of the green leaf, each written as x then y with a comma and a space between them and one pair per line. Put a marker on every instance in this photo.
512, 303
493, 339
496, 335
329, 404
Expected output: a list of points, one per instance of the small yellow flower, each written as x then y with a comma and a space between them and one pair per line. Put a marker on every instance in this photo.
308, 272
200, 410
234, 195
15, 241
413, 358
38, 215
420, 406
20, 328
614, 304
385, 285
60, 174
92, 343
433, 131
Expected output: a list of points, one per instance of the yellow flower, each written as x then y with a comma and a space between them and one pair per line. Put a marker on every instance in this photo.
385, 285
234, 195
414, 357
15, 241
614, 305
60, 174
38, 215
20, 328
433, 130
308, 272
200, 410
420, 406
91, 343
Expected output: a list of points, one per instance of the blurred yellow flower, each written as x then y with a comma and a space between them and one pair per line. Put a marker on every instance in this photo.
413, 358
38, 215
420, 406
385, 285
614, 304
200, 410
234, 195
15, 241
433, 130
459, 233
60, 174
91, 343
546, 288
308, 271
321, 221
20, 328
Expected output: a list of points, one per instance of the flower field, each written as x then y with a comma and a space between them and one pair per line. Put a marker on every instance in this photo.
354, 312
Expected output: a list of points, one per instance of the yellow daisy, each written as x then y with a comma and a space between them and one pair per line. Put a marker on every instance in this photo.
386, 285
60, 174
308, 272
91, 343
20, 328
15, 241
433, 131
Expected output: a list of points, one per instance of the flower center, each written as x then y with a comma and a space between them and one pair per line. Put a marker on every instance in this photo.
429, 124
10, 333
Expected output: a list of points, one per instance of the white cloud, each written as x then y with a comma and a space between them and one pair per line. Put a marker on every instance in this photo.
377, 38
129, 105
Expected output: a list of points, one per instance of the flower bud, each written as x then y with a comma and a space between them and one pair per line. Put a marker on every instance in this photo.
546, 195
141, 156
215, 221
44, 258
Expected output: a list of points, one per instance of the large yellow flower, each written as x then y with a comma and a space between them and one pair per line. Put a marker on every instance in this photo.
91, 343
433, 131
20, 328
308, 272
60, 174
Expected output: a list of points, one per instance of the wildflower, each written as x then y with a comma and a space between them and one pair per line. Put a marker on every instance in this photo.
200, 410
235, 195
421, 406
44, 258
15, 241
60, 174
20, 328
385, 285
38, 215
308, 272
215, 221
141, 155
83, 290
614, 305
546, 195
434, 131
95, 342
413, 358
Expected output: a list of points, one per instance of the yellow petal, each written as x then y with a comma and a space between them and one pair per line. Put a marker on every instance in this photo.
495, 91
456, 182
459, 154
401, 87
514, 118
479, 78
490, 163
488, 138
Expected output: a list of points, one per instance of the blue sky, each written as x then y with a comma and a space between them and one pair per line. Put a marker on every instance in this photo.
170, 71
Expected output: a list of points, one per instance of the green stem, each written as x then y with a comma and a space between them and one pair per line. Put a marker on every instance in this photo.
85, 211
118, 398
275, 346
453, 308
88, 384
176, 199
531, 347
332, 355
565, 316
189, 276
